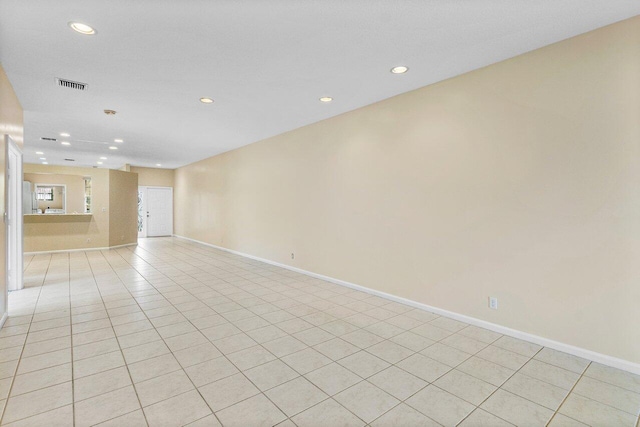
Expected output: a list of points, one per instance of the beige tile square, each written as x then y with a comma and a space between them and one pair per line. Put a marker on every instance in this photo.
93, 336
104, 382
412, 341
398, 383
105, 406
255, 411
423, 367
480, 334
41, 379
503, 357
464, 343
535, 390
132, 419
431, 332
327, 413
208, 421
294, 325
362, 338
614, 376
444, 354
560, 420
515, 345
333, 378
138, 338
270, 374
41, 361
550, 374
96, 364
464, 386
154, 367
210, 371
38, 348
189, 340
516, 410
220, 331
145, 351
608, 394
403, 415
480, 418
390, 352
363, 364
485, 370
234, 343
95, 349
228, 391
132, 327
306, 360
437, 404
314, 336
61, 417
366, 401
562, 360
286, 345
198, 354
176, 329
177, 411
37, 402
336, 349
163, 387
295, 396
266, 333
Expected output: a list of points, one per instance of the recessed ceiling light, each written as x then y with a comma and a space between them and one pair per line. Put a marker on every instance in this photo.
206, 100
39, 152
82, 28
113, 148
65, 134
158, 164
103, 158
43, 158
99, 163
45, 163
399, 69
118, 140
326, 99
65, 143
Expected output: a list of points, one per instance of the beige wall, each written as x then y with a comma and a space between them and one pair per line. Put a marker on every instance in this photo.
123, 208
74, 190
112, 203
519, 180
12, 124
153, 177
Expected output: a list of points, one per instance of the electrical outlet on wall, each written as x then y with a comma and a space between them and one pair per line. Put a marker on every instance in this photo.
292, 255
493, 303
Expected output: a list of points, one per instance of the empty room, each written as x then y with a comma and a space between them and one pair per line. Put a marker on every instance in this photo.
327, 213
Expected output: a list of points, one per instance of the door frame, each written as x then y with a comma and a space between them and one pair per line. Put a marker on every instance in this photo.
14, 179
145, 191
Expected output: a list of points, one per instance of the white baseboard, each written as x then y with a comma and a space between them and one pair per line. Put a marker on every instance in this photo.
4, 319
105, 248
545, 342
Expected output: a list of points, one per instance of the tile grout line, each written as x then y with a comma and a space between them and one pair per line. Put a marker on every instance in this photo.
568, 394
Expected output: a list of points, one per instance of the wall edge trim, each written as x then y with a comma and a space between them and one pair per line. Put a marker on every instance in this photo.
104, 248
604, 359
5, 316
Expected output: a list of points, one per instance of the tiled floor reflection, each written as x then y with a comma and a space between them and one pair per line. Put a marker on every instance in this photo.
173, 333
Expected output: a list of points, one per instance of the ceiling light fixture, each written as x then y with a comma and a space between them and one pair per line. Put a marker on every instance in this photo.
82, 28
45, 163
113, 148
103, 158
39, 152
118, 140
65, 143
65, 134
401, 69
206, 100
43, 158
99, 163
158, 164
326, 99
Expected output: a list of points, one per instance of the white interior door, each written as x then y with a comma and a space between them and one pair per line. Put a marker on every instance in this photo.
159, 204
142, 211
13, 217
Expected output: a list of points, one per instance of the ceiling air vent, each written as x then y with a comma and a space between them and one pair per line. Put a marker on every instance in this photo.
48, 139
70, 84
70, 160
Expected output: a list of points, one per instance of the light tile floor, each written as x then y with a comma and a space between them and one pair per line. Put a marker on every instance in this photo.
173, 333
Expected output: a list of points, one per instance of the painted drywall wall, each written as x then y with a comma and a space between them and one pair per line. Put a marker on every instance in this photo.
74, 190
12, 124
153, 177
49, 233
113, 218
123, 208
518, 180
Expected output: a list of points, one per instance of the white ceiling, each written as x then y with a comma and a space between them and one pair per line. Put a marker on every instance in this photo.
265, 62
